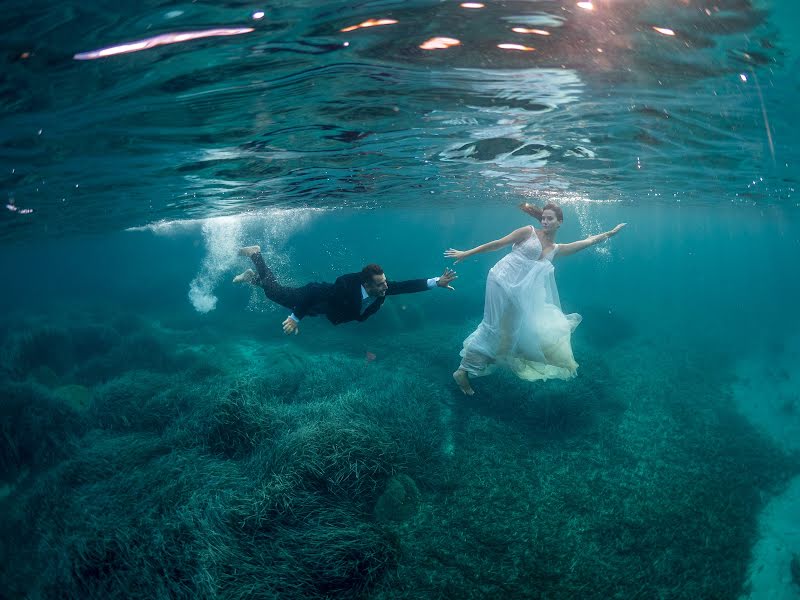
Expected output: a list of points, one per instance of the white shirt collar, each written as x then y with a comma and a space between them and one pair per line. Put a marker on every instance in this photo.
364, 294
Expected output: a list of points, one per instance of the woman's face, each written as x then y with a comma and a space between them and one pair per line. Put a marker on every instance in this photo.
549, 220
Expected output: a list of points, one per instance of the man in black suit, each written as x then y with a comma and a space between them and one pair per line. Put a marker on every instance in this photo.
353, 297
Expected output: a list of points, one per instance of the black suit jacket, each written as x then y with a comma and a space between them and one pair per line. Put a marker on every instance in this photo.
341, 301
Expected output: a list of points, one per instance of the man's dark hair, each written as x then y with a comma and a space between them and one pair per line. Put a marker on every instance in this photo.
370, 270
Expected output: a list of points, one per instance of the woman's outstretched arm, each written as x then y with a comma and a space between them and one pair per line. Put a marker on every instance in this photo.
573, 247
518, 235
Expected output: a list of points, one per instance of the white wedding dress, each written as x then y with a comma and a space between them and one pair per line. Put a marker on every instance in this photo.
523, 326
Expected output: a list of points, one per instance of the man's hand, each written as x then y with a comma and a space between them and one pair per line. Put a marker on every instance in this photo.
445, 279
290, 326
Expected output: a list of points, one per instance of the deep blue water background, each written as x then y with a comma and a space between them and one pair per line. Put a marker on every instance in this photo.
689, 138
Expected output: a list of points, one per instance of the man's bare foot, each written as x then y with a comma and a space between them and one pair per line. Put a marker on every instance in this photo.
462, 379
248, 276
249, 251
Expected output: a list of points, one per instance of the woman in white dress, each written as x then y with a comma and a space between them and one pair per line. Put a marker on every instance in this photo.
523, 326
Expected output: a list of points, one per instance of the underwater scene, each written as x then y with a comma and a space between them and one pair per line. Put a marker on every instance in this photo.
400, 299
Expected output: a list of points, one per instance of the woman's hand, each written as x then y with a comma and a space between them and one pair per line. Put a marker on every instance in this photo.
616, 230
458, 255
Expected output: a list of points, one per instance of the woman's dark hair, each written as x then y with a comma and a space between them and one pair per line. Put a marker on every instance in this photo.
370, 270
536, 212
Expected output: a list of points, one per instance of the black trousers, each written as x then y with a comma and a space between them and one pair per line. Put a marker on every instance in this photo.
285, 296
312, 298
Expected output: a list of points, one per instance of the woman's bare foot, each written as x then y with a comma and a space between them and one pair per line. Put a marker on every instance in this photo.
249, 251
462, 379
248, 276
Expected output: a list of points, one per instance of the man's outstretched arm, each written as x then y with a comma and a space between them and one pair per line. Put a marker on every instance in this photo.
421, 285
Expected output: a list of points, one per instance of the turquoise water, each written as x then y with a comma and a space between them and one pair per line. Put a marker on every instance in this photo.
161, 437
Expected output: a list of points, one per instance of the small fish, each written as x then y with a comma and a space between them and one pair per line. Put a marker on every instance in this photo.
369, 357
